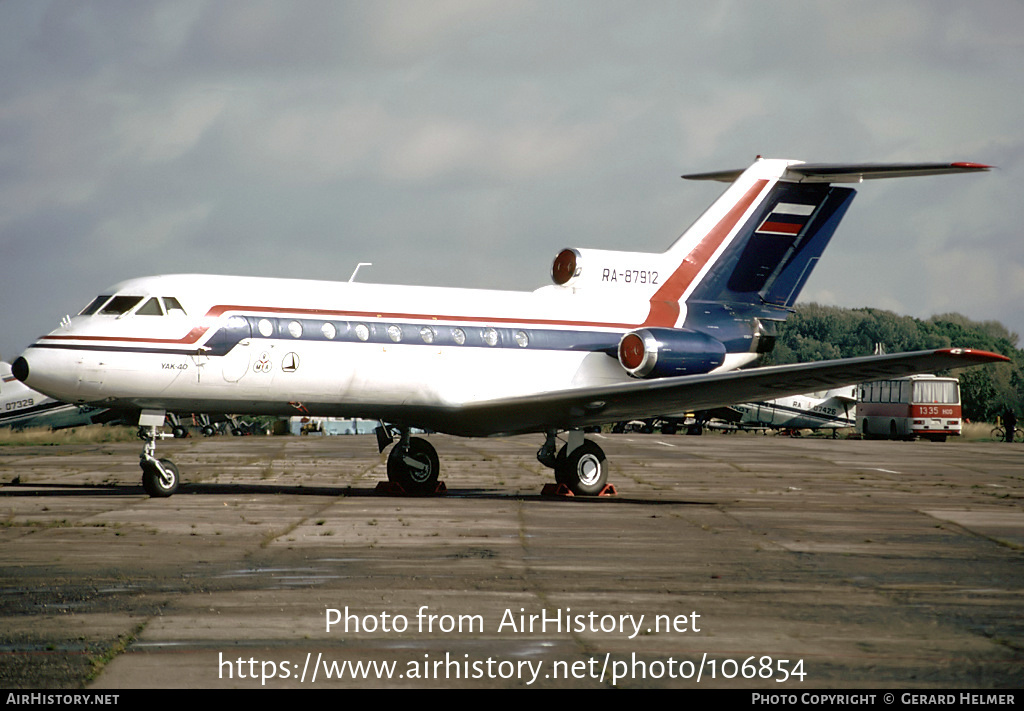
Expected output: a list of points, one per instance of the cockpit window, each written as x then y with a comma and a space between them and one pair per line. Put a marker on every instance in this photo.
150, 308
94, 305
173, 307
120, 305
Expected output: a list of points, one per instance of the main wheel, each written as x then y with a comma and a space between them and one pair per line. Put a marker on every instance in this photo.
415, 468
584, 470
158, 485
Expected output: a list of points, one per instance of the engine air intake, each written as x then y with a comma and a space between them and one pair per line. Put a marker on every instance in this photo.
664, 352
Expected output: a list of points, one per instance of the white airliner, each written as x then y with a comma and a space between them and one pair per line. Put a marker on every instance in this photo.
21, 407
617, 336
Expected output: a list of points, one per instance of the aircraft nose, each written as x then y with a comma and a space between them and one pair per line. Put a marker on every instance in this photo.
19, 369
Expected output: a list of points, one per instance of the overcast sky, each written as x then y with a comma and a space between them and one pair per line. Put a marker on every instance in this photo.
465, 143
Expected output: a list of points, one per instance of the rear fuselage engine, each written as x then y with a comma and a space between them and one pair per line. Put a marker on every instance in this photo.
664, 352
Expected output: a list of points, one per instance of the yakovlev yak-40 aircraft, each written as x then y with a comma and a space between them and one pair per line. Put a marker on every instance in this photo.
618, 336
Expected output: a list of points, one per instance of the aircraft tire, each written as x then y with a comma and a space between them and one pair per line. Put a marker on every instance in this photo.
584, 470
155, 485
420, 479
179, 432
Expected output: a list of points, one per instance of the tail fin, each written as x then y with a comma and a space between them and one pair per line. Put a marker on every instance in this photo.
752, 250
773, 253
758, 244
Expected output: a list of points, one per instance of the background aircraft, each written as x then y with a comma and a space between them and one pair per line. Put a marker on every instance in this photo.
824, 410
617, 336
830, 409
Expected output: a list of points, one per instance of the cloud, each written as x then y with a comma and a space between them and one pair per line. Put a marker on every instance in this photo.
161, 132
296, 138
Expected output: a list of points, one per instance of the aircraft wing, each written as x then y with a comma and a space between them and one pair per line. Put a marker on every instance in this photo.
581, 407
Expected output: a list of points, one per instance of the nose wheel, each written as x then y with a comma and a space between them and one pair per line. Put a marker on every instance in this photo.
159, 476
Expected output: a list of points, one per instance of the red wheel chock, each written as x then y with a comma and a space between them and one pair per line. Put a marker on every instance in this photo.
565, 491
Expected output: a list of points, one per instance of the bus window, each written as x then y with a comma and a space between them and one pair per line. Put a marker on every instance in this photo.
935, 391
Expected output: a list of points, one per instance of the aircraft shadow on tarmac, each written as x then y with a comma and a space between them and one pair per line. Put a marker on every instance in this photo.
203, 489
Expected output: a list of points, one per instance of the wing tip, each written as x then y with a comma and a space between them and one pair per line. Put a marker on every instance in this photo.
975, 355
966, 165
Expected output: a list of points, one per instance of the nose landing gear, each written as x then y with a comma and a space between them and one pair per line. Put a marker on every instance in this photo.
159, 476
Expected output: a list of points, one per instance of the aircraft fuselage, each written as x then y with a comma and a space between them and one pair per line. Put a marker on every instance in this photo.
284, 347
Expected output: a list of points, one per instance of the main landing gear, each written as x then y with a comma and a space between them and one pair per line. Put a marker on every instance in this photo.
412, 463
580, 465
159, 476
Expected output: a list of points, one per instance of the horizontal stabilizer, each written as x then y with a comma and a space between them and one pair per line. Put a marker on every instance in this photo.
850, 172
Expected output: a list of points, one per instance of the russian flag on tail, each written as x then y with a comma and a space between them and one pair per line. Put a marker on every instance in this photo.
786, 218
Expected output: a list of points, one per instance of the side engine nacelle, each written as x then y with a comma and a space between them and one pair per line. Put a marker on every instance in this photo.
602, 268
663, 352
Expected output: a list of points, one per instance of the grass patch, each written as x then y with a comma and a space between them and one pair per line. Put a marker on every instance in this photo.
976, 432
43, 436
100, 661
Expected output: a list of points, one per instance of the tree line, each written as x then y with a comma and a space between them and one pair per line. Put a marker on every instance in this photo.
815, 332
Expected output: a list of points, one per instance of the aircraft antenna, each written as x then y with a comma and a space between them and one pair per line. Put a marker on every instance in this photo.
356, 270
